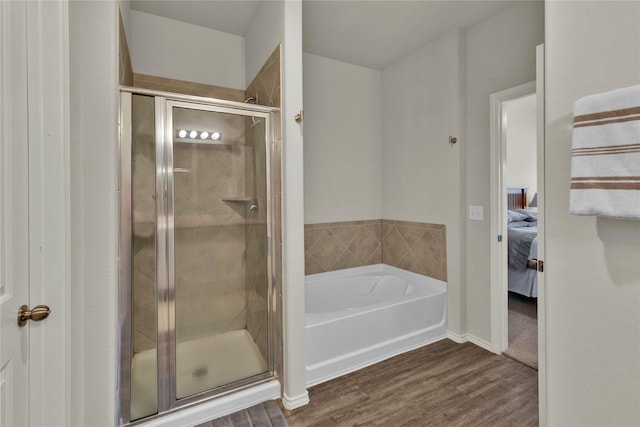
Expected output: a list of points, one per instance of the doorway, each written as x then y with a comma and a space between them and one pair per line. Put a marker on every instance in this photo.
520, 176
499, 220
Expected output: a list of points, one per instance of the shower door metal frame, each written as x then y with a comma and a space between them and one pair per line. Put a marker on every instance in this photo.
165, 257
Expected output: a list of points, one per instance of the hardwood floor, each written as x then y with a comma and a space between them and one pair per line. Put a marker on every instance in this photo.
443, 384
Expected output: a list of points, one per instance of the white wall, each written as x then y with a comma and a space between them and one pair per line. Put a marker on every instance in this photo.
420, 169
501, 53
93, 35
593, 264
522, 144
265, 32
342, 135
295, 392
172, 49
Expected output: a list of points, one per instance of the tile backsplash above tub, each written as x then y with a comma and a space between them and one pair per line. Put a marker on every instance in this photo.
413, 246
337, 245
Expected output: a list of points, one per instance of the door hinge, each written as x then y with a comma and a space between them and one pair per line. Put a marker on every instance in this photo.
499, 237
541, 266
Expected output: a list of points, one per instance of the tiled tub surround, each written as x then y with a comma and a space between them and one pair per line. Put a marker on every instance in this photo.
415, 246
338, 245
412, 246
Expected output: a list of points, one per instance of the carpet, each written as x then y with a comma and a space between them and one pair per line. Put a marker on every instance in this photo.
266, 414
523, 330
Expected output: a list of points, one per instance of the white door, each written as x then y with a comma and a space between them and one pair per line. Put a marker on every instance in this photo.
14, 219
34, 197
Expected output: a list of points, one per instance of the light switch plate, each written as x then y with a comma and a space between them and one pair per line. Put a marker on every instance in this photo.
476, 213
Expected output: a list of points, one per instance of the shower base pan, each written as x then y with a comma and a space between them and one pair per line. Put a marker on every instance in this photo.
202, 364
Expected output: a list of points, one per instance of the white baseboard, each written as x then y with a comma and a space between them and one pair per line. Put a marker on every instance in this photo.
472, 339
295, 402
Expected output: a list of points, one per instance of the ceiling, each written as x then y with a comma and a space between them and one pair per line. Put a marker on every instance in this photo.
370, 33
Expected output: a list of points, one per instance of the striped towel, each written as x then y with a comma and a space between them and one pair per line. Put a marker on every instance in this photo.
605, 155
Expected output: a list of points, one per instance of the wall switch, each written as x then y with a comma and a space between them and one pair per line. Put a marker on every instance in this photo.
476, 213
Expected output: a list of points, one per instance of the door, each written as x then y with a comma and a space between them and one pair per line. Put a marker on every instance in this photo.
14, 226
33, 212
195, 243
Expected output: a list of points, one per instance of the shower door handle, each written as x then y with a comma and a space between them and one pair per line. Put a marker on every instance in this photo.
38, 313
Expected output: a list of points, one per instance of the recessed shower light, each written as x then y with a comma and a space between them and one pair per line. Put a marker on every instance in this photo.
193, 134
215, 136
182, 133
204, 135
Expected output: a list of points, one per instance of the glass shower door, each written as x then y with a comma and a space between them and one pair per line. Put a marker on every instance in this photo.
196, 292
218, 244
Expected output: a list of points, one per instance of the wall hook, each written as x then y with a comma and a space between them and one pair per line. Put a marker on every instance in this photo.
453, 140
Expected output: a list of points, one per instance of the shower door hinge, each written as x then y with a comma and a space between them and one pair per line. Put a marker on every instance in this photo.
499, 237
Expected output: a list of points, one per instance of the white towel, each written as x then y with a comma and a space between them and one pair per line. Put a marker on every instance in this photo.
605, 155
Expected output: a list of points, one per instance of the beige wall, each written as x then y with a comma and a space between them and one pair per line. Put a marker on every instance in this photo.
342, 168
420, 169
592, 264
265, 32
500, 54
522, 145
93, 69
177, 50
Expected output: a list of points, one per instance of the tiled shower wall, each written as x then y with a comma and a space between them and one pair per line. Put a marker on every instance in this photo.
266, 87
413, 246
210, 234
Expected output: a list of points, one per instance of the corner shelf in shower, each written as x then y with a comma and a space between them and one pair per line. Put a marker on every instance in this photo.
238, 199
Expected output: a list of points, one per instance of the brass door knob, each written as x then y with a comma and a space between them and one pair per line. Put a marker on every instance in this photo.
39, 312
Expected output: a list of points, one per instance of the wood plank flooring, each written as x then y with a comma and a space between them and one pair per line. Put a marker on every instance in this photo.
443, 384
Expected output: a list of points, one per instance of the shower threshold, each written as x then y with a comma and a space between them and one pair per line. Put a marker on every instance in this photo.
202, 364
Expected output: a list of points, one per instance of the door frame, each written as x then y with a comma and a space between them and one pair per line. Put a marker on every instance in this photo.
498, 153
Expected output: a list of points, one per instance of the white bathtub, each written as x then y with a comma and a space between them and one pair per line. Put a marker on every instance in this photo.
360, 316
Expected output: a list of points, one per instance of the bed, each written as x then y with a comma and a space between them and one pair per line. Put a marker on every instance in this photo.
522, 232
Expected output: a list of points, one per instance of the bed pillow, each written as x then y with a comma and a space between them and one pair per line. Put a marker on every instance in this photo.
513, 216
532, 216
521, 224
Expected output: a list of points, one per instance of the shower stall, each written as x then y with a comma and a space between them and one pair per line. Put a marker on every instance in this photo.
198, 301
